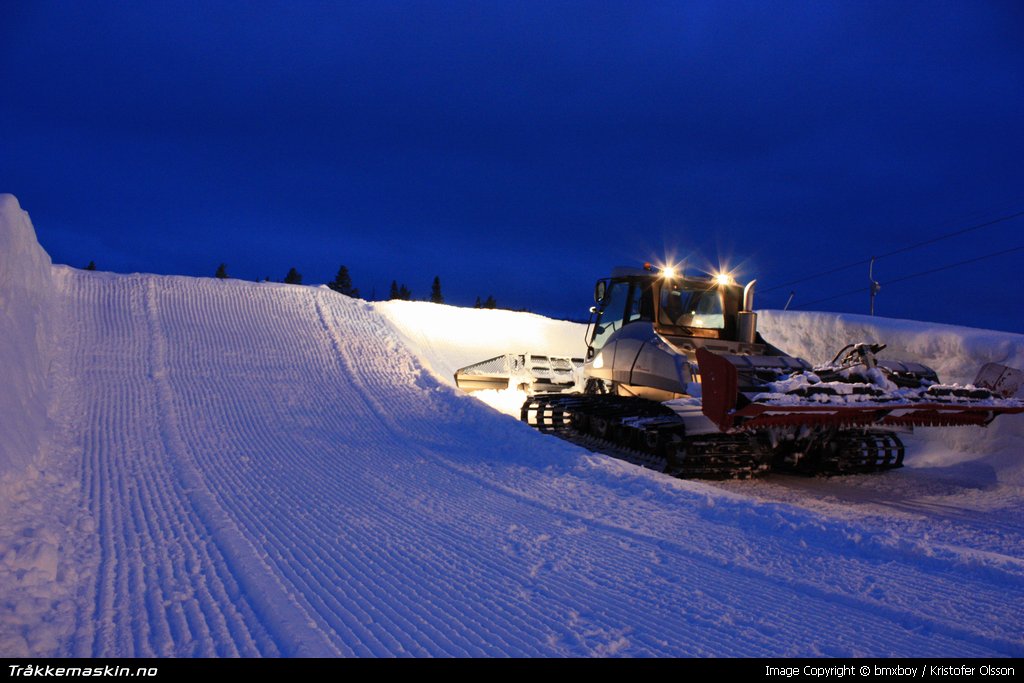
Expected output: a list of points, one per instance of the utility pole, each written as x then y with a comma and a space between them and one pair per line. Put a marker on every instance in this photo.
875, 287
789, 300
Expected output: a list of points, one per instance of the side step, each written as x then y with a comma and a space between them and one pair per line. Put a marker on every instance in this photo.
533, 372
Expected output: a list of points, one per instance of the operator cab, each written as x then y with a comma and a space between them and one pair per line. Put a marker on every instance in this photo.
650, 324
675, 305
621, 299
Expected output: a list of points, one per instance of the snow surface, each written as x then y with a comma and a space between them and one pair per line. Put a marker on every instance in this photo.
234, 468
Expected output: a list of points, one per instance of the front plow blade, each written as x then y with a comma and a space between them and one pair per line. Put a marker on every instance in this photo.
533, 372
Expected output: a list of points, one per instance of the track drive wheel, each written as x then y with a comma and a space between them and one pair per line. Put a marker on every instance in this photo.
600, 426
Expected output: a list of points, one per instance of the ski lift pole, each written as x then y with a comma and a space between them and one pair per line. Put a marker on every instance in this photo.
875, 286
789, 300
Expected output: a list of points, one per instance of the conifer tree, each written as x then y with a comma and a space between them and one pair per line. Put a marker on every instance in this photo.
293, 277
404, 293
91, 266
343, 283
395, 294
222, 272
435, 291
490, 303
478, 304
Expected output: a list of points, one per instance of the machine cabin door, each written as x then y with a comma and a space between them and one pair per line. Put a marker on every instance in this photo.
625, 301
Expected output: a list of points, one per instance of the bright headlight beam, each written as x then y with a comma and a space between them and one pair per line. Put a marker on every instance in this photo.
668, 272
723, 279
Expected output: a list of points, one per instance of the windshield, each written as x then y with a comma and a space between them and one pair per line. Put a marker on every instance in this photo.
693, 306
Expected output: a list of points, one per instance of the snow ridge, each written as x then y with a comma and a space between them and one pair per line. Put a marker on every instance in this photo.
25, 325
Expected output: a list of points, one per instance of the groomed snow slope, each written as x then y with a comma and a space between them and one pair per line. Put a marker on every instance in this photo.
244, 469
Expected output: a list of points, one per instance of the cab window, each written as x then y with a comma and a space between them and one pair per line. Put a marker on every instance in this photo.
641, 303
692, 307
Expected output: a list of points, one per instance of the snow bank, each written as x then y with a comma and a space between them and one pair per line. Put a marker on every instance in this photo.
26, 296
38, 577
448, 338
955, 353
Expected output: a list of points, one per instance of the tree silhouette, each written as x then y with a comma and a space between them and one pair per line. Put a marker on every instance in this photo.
490, 303
399, 291
91, 266
435, 291
222, 272
478, 304
343, 283
293, 277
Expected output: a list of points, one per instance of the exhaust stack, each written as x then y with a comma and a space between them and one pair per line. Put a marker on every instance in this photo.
746, 319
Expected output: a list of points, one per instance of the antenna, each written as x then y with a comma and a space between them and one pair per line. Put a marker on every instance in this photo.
875, 287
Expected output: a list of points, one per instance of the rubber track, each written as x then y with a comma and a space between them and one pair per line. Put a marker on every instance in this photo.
869, 451
645, 433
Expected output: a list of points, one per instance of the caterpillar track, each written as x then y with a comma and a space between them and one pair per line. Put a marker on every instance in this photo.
648, 433
848, 452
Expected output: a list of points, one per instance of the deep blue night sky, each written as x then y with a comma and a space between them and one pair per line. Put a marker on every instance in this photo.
522, 149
